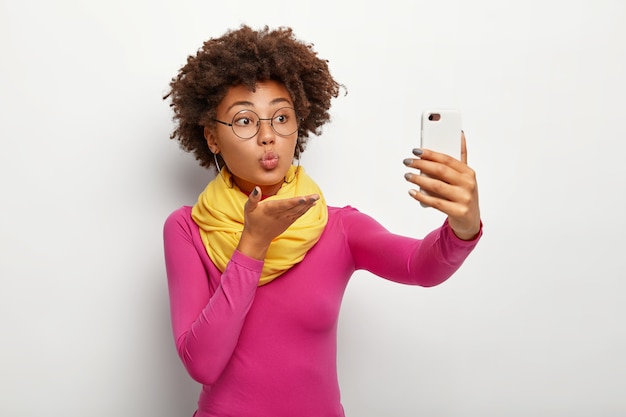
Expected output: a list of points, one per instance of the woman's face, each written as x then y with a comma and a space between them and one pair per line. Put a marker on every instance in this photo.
264, 158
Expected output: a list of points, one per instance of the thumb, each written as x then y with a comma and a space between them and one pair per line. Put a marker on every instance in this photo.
253, 199
463, 148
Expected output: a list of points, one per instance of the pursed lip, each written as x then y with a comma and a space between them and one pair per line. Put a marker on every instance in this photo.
269, 160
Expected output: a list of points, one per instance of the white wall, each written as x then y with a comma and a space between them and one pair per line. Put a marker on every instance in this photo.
533, 324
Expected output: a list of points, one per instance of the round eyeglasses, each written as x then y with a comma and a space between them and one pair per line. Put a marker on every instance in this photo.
246, 123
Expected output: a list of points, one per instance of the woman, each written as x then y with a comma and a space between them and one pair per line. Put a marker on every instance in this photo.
258, 266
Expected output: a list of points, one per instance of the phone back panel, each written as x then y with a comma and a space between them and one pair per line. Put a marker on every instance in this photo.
441, 131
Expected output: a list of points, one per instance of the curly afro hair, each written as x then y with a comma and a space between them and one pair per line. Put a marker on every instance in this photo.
245, 57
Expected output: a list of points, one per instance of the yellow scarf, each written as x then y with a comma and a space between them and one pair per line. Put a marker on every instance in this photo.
219, 214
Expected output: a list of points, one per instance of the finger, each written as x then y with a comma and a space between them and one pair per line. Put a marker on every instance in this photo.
463, 148
434, 187
430, 155
430, 162
434, 163
301, 211
309, 199
286, 203
433, 170
305, 204
289, 206
447, 207
253, 199
429, 200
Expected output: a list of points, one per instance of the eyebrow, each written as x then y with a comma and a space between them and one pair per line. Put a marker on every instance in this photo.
250, 104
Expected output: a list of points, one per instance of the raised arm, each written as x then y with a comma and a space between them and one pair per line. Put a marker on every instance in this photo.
426, 262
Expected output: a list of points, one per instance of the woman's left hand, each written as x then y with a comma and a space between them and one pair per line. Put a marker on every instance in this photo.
450, 187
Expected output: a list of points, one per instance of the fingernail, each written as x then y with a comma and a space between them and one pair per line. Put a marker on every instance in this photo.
417, 152
408, 176
407, 161
255, 192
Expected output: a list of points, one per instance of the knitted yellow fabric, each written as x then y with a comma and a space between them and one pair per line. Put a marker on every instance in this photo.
219, 215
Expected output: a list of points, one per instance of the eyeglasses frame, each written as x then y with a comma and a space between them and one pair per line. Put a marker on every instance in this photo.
258, 126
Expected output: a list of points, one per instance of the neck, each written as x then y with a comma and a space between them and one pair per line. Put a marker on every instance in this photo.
266, 190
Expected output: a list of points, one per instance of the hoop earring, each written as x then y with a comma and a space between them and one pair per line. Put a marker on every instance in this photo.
295, 174
219, 171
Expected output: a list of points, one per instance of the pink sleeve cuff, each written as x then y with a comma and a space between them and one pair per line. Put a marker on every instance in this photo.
464, 242
247, 262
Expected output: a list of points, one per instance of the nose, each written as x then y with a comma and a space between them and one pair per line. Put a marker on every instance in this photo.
266, 135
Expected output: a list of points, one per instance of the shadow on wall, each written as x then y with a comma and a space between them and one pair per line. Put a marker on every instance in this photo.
176, 385
184, 178
177, 180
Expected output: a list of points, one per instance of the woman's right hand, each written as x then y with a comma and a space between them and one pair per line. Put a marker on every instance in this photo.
266, 220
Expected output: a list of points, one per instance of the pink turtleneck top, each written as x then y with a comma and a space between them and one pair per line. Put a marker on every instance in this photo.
271, 350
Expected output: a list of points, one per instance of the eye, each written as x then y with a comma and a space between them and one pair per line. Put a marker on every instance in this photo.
244, 120
281, 118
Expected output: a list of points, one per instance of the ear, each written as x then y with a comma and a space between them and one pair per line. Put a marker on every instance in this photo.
210, 140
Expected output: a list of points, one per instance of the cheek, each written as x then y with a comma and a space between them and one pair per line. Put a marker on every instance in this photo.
229, 155
291, 144
234, 153
220, 144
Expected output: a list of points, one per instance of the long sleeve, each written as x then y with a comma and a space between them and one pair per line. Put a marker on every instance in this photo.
272, 350
426, 262
207, 316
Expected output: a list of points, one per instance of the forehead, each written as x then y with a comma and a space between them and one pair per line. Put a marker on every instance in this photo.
266, 95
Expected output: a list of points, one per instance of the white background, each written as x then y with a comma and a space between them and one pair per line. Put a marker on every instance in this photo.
532, 324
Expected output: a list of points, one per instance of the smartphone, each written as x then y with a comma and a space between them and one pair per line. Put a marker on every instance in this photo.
441, 132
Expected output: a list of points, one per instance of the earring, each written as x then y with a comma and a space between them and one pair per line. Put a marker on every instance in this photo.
295, 174
217, 165
219, 171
